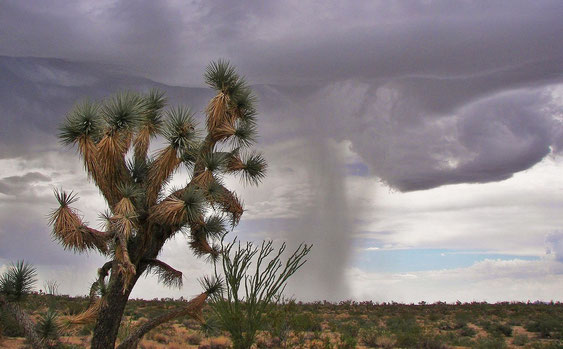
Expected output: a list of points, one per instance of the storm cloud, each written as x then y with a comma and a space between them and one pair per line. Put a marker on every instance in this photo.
419, 95
409, 84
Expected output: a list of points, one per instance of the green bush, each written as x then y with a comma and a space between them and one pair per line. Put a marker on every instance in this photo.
305, 322
47, 327
490, 343
406, 330
520, 340
545, 325
431, 343
9, 325
467, 331
454, 339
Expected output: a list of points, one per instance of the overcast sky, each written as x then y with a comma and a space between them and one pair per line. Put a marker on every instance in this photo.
416, 144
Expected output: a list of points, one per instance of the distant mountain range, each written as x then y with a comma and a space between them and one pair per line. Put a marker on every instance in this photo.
36, 93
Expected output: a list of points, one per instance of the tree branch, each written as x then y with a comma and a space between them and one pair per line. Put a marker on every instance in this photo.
166, 274
193, 309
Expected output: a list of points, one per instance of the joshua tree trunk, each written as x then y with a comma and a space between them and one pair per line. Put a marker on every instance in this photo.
109, 317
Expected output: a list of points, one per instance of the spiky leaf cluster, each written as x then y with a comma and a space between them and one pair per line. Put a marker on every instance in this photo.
48, 327
18, 280
123, 111
114, 138
83, 121
179, 129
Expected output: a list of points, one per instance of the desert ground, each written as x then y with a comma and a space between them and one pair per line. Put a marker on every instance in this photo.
346, 324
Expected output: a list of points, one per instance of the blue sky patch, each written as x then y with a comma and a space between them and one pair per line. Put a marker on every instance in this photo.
411, 260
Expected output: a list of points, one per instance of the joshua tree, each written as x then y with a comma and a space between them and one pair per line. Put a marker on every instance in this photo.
141, 217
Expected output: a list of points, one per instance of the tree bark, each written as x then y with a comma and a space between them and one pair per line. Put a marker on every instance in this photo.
110, 315
24, 321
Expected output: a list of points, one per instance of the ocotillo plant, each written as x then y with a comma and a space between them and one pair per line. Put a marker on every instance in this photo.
113, 139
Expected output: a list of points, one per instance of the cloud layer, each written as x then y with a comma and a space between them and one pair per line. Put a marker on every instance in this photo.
448, 105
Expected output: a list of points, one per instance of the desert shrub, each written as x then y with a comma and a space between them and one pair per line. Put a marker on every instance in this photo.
431, 343
216, 343
160, 338
498, 329
305, 322
454, 339
9, 325
520, 340
489, 343
376, 338
74, 308
445, 326
48, 328
544, 345
406, 330
280, 321
194, 338
461, 319
348, 334
467, 331
347, 342
545, 325
242, 315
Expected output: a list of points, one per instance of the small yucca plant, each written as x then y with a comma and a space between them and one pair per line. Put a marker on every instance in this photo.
48, 328
18, 281
113, 138
15, 284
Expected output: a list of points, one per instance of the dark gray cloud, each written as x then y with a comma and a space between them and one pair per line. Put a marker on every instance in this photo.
14, 184
290, 41
427, 93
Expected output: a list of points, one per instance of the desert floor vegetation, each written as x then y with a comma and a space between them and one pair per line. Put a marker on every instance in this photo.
346, 324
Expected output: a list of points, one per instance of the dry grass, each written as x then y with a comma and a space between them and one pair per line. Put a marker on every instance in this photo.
217, 111
171, 211
142, 141
167, 161
124, 208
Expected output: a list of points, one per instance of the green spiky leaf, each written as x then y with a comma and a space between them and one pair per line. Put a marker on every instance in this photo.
65, 199
180, 128
138, 169
83, 120
215, 191
215, 226
123, 111
130, 191
194, 202
216, 161
48, 327
153, 103
167, 275
222, 76
18, 280
254, 168
244, 101
212, 285
245, 134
